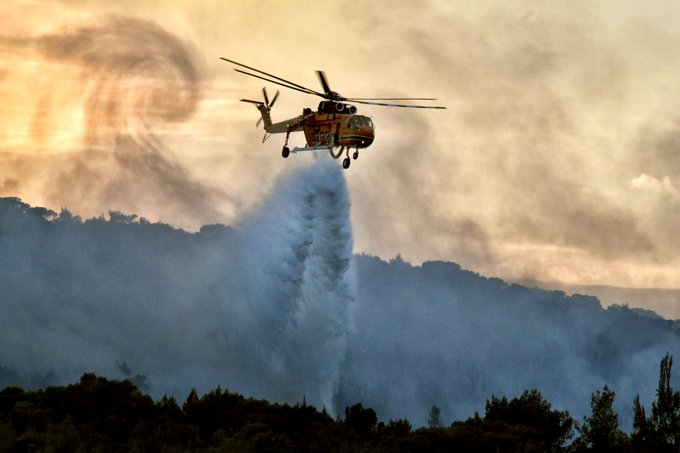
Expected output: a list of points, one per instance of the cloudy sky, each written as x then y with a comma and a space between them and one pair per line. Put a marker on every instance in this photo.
557, 159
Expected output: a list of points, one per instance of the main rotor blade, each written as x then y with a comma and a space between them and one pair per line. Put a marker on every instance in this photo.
324, 82
266, 98
282, 84
299, 87
327, 94
276, 96
390, 99
399, 105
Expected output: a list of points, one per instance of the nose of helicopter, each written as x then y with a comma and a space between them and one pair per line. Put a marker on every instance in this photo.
367, 132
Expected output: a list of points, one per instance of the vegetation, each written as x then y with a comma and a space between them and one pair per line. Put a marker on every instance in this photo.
600, 431
661, 431
105, 415
434, 417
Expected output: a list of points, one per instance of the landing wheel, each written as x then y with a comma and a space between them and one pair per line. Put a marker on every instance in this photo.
355, 155
345, 163
286, 152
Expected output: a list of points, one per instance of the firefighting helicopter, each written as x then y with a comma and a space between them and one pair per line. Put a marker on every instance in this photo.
335, 124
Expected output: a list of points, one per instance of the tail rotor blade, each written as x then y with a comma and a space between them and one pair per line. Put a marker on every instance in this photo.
266, 98
276, 96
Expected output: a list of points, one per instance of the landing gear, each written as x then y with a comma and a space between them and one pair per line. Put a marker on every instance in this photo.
346, 161
286, 151
340, 151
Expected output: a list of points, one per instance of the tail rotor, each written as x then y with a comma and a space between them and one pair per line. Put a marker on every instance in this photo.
267, 105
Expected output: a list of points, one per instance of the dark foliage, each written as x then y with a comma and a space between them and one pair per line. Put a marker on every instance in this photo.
434, 417
104, 415
98, 414
525, 423
601, 432
661, 431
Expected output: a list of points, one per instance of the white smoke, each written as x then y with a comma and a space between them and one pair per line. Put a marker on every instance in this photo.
437, 334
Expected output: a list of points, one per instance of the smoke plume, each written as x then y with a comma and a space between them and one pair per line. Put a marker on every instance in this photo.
135, 79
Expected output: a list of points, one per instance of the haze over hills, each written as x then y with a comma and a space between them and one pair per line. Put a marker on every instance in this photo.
278, 307
665, 302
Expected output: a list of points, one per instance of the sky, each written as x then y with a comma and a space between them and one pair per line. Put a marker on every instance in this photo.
557, 159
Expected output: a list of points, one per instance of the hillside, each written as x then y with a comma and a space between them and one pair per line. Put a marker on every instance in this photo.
279, 308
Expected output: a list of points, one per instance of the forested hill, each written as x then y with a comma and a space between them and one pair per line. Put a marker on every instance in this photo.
438, 333
278, 308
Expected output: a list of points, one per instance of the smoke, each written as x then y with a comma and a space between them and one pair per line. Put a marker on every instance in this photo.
537, 148
436, 334
134, 80
136, 74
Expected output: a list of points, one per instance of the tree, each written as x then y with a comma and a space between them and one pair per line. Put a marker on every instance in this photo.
119, 217
530, 412
666, 408
401, 427
642, 428
434, 418
362, 421
600, 431
661, 431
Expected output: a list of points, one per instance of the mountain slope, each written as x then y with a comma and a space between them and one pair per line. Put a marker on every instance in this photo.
277, 307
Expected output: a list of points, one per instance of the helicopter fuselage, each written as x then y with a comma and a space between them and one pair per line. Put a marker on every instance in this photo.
341, 129
332, 125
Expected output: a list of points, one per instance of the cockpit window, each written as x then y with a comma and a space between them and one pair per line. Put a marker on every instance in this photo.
359, 121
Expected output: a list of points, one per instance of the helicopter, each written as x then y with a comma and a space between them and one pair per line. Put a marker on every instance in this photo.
335, 125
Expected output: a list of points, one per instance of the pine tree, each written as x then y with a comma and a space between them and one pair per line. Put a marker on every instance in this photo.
434, 418
660, 431
600, 431
666, 408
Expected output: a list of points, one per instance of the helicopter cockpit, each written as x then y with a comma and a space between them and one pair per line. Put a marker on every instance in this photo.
358, 121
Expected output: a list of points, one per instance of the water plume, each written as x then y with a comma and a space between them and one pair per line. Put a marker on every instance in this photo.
262, 308
301, 240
